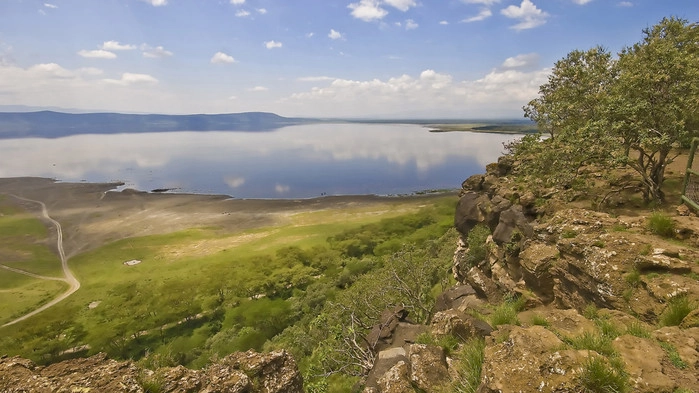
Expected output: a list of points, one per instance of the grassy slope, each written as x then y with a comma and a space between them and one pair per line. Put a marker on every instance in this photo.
181, 274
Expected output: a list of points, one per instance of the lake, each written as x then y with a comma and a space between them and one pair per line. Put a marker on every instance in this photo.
292, 162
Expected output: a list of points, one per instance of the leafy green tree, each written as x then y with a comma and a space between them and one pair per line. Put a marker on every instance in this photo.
569, 108
655, 99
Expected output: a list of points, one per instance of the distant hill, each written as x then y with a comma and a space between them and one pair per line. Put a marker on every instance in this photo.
50, 124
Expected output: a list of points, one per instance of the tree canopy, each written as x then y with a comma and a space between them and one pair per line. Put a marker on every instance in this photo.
632, 110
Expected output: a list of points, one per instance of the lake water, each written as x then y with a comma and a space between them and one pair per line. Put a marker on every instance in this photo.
292, 162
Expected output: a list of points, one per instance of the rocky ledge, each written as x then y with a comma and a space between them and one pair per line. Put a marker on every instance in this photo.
585, 289
248, 372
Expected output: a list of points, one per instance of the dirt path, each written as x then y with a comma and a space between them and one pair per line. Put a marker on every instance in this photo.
69, 277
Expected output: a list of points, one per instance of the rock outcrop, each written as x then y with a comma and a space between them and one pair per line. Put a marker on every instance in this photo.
248, 372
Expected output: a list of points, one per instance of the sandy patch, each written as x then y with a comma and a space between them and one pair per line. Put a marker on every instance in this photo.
132, 262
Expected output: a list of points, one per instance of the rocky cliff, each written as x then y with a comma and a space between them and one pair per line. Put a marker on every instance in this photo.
596, 301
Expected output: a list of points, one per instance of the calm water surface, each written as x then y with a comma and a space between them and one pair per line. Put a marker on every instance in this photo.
292, 162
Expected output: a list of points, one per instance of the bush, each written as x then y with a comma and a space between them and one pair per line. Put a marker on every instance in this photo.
661, 225
477, 250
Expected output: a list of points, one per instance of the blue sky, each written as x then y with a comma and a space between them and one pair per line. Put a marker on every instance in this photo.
321, 58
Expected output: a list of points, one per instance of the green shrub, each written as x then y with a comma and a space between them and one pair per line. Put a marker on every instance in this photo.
477, 249
677, 308
661, 225
590, 311
568, 234
468, 366
633, 278
599, 377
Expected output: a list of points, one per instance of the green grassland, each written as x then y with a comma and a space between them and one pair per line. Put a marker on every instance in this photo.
204, 292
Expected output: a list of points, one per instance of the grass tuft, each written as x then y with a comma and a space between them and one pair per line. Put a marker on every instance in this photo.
593, 342
661, 225
674, 356
477, 249
677, 309
540, 320
469, 366
600, 377
638, 330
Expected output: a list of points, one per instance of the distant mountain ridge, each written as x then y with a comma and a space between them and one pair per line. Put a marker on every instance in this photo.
50, 124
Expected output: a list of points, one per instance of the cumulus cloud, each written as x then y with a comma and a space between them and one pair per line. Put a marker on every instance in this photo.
334, 35
523, 61
115, 45
528, 15
49, 5
498, 93
483, 14
367, 10
625, 4
234, 181
443, 22
272, 44
156, 3
410, 24
157, 52
222, 58
402, 5
129, 78
97, 54
261, 10
581, 2
258, 88
242, 14
237, 2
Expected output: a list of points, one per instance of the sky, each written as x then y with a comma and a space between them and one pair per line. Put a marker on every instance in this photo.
311, 58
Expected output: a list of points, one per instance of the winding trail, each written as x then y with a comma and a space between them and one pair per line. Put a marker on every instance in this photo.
70, 279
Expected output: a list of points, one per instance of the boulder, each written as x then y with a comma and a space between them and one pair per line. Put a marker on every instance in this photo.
396, 380
643, 361
428, 366
459, 325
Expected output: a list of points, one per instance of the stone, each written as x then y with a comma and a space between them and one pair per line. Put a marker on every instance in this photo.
396, 380
459, 325
643, 361
483, 285
428, 366
447, 299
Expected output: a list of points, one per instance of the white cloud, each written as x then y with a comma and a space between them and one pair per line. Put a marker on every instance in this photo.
367, 10
410, 24
128, 78
281, 189
581, 2
232, 98
501, 92
523, 61
309, 35
443, 22
261, 10
484, 14
242, 14
97, 54
625, 4
402, 5
273, 44
484, 2
51, 70
334, 35
115, 45
314, 78
222, 58
258, 88
234, 181
49, 5
528, 15
156, 53
156, 3
237, 2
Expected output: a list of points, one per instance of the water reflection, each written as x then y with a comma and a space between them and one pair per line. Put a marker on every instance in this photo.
292, 162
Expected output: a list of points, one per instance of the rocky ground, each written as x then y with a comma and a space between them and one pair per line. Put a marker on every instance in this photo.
583, 289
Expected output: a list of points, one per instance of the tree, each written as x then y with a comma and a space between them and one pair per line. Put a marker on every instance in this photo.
655, 99
632, 111
569, 109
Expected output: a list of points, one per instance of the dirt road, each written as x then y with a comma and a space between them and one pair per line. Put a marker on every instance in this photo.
70, 279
